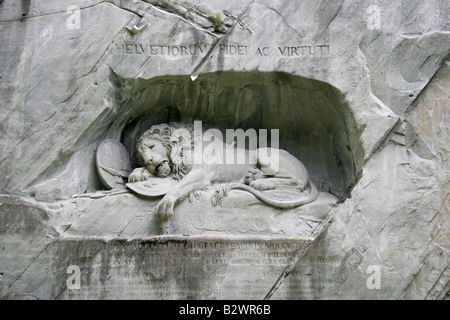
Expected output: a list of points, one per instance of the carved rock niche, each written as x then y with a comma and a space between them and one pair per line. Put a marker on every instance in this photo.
314, 121
315, 125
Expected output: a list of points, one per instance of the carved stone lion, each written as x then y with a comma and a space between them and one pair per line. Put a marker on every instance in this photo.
162, 151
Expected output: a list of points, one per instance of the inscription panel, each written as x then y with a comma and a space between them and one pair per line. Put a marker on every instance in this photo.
201, 49
174, 269
313, 278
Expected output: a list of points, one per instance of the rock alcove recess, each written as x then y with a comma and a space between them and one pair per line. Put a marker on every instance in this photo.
314, 121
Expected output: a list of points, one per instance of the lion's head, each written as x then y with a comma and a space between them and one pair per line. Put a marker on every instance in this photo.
165, 148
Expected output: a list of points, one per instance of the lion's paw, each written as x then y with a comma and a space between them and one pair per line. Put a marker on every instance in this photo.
164, 210
252, 175
139, 174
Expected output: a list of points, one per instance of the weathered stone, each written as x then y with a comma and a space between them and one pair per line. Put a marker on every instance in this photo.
359, 91
25, 233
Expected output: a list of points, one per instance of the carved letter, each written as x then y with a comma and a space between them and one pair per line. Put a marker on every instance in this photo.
282, 51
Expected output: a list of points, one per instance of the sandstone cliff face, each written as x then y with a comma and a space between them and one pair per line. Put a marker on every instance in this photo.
359, 91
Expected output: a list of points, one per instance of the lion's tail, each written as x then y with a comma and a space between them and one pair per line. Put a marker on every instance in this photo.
284, 204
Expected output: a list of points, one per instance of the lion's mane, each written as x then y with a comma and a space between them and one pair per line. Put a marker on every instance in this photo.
175, 143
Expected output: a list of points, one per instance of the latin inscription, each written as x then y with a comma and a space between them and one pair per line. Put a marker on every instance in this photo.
200, 49
184, 269
159, 49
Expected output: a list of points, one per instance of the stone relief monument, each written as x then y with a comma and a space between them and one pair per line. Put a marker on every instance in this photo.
218, 149
162, 153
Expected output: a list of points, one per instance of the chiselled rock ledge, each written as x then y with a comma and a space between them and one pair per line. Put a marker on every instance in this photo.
184, 238
127, 215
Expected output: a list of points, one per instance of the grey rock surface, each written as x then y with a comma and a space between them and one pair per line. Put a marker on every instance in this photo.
358, 89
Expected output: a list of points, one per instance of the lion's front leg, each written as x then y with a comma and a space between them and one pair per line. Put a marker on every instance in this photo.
196, 179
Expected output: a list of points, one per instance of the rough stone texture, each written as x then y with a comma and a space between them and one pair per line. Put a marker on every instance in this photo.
368, 116
128, 216
404, 228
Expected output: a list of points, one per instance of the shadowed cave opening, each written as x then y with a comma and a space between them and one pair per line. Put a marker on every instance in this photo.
315, 122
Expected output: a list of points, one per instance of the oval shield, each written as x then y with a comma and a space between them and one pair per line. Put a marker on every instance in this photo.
113, 164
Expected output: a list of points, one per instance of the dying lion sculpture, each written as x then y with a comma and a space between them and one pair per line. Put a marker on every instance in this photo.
162, 151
